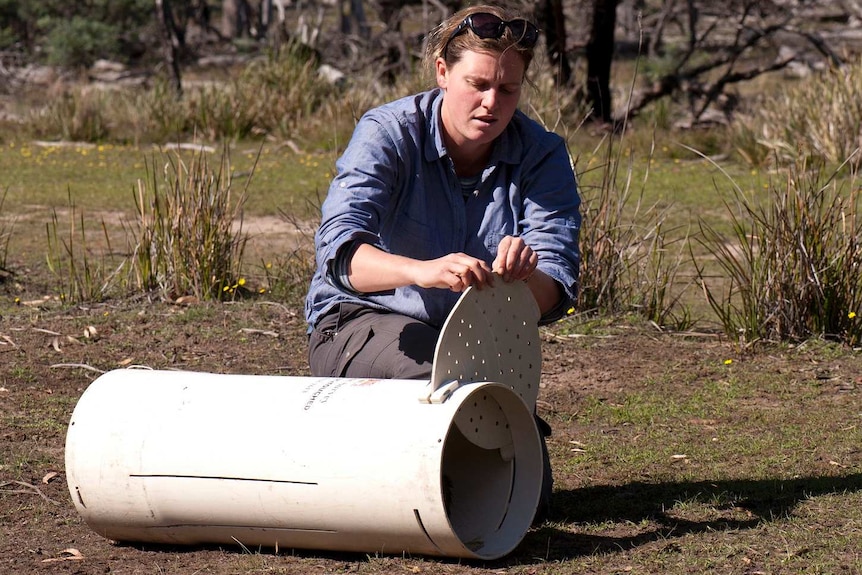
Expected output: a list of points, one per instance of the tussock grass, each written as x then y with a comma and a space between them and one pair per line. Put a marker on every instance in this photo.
630, 260
82, 273
817, 119
188, 237
793, 262
5, 236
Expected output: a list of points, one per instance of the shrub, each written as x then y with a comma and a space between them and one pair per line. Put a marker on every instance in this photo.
78, 42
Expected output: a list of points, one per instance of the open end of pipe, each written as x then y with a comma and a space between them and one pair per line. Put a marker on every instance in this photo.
491, 471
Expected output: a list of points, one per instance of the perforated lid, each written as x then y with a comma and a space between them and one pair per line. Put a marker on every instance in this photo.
492, 335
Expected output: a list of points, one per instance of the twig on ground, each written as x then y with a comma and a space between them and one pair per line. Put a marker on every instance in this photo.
81, 365
29, 489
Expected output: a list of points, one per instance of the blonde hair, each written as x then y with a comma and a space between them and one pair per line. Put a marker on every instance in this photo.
469, 42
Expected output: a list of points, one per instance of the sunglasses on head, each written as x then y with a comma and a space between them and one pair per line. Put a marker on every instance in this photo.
486, 25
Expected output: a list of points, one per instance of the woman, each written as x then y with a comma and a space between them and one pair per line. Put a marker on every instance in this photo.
437, 192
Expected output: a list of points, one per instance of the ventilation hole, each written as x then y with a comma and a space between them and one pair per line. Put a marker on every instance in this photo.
477, 430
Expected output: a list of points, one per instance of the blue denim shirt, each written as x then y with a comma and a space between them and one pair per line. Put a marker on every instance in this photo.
396, 189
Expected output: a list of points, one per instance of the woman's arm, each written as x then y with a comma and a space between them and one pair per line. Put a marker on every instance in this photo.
373, 270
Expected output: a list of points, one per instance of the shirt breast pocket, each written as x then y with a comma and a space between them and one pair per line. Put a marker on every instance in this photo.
411, 238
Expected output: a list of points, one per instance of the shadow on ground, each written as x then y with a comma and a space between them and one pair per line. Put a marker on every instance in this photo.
747, 503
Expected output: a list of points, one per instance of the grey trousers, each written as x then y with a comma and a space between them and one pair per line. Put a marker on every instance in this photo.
356, 341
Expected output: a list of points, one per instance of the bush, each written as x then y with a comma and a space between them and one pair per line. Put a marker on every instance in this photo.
79, 42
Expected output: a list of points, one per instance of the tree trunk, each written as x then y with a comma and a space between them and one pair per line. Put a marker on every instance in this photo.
552, 21
600, 54
172, 44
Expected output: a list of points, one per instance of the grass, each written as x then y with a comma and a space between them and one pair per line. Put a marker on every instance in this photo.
101, 178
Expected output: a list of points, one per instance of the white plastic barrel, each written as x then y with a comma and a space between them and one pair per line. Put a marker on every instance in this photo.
449, 467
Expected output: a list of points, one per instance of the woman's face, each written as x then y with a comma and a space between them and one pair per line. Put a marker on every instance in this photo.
482, 93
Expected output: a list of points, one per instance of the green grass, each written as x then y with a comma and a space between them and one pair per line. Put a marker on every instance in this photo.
101, 178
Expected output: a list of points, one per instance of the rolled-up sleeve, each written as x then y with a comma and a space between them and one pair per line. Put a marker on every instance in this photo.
551, 220
359, 195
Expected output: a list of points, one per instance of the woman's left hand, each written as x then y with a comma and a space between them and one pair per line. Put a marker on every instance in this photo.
515, 259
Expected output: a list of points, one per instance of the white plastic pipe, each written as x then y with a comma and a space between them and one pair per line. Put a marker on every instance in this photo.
299, 462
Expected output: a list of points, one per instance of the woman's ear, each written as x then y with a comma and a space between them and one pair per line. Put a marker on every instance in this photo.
441, 72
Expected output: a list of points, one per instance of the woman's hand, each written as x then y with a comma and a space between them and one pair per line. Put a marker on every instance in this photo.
515, 260
454, 271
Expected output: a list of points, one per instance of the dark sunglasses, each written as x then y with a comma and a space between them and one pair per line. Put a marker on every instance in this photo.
485, 25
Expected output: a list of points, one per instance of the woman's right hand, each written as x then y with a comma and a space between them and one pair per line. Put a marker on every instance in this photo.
455, 272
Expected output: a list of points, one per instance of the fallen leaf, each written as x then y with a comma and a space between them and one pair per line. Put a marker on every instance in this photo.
69, 554
679, 456
55, 343
260, 331
186, 300
126, 361
49, 476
